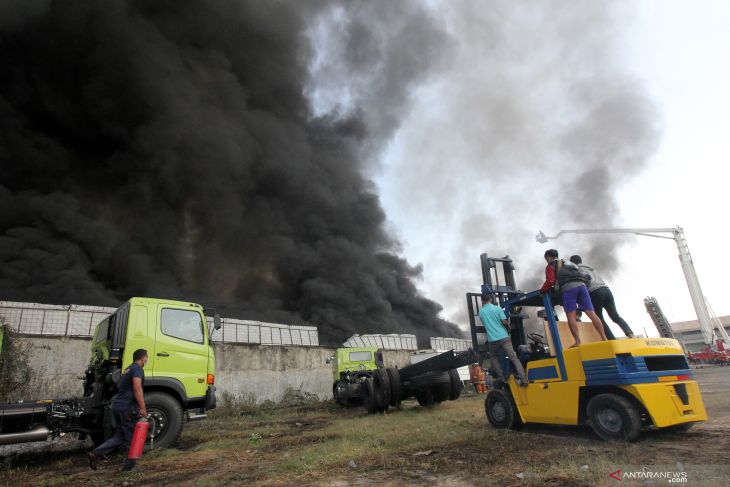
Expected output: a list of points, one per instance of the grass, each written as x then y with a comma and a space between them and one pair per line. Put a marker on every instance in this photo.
326, 445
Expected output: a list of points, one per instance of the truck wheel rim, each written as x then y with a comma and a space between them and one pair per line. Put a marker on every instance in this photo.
499, 413
160, 421
610, 420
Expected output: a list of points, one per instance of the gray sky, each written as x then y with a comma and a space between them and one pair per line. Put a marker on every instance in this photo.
453, 188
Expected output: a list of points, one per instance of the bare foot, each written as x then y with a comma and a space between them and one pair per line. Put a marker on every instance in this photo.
576, 344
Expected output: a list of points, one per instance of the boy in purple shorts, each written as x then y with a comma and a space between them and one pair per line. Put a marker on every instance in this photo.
574, 296
571, 281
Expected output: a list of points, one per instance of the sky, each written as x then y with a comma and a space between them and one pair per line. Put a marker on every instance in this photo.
675, 52
473, 124
679, 47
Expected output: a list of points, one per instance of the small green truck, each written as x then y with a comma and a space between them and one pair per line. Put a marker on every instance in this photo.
352, 369
179, 376
361, 378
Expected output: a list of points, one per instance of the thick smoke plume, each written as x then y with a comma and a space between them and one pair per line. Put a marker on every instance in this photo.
535, 123
189, 150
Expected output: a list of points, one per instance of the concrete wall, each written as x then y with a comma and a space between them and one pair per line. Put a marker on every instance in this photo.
59, 365
254, 373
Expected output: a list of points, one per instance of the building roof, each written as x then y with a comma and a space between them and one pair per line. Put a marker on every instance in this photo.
693, 325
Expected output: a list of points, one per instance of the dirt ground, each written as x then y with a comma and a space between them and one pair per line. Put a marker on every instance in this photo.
450, 444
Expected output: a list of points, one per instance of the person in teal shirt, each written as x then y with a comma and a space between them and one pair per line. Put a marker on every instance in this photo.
496, 324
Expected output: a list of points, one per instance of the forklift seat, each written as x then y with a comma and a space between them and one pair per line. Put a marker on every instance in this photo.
587, 334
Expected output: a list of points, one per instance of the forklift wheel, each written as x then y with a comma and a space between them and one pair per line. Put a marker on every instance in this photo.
614, 418
501, 410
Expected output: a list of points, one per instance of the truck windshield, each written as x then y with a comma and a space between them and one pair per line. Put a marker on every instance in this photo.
102, 333
360, 356
183, 324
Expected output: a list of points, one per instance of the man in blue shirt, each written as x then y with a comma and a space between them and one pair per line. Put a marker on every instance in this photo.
128, 405
496, 324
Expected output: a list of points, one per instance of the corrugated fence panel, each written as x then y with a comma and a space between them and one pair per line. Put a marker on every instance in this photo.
387, 342
457, 344
81, 321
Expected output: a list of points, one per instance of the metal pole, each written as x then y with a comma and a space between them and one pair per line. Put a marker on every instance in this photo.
695, 292
68, 319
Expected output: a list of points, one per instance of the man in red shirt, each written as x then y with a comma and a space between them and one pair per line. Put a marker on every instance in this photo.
550, 275
573, 291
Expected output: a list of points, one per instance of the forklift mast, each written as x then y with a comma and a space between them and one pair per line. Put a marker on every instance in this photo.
498, 279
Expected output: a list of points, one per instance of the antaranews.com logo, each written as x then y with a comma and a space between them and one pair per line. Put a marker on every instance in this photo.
646, 473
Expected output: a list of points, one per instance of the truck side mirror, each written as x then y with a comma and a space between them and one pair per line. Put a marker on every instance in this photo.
217, 321
329, 360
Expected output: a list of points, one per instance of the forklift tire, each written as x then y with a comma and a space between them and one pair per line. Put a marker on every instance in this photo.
455, 385
370, 399
168, 416
381, 383
396, 391
614, 418
425, 397
501, 410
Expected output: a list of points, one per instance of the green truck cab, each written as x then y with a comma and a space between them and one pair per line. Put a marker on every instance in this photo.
179, 380
179, 375
354, 360
352, 367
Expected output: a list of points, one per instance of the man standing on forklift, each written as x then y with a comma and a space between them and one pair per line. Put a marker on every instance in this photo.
500, 344
573, 291
602, 298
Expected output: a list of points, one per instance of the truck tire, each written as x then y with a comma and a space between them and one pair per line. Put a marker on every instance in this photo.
396, 391
428, 379
97, 437
614, 418
371, 402
168, 416
424, 397
440, 392
342, 401
501, 410
455, 385
381, 384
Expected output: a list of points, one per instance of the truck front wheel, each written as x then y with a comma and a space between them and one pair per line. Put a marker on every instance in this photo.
168, 417
614, 418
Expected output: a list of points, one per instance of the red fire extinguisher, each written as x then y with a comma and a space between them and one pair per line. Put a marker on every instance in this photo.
138, 439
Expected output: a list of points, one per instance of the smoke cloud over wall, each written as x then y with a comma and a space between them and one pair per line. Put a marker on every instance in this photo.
191, 150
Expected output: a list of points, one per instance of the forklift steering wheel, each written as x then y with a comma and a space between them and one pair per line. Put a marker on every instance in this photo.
537, 338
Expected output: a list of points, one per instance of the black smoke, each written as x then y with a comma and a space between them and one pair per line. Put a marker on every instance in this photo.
171, 149
536, 123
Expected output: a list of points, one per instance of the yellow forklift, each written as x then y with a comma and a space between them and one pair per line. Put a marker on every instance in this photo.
618, 387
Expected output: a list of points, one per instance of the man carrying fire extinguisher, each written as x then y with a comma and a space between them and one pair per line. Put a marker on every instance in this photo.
127, 407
